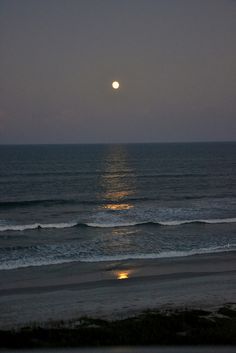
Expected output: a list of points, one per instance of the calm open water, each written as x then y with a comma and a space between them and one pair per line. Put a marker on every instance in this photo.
63, 203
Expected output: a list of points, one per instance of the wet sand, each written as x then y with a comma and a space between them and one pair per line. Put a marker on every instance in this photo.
69, 291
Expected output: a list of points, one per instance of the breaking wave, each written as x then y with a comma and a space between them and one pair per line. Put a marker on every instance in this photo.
44, 261
22, 227
38, 226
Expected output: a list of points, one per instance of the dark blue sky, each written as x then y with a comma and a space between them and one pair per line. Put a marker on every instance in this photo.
175, 61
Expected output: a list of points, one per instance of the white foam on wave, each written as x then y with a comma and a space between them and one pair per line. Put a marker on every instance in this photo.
206, 221
165, 254
114, 225
162, 223
22, 263
22, 227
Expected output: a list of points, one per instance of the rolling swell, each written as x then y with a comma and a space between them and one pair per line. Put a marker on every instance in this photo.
38, 226
29, 203
52, 202
100, 200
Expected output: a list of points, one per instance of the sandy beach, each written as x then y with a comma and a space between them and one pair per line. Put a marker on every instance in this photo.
69, 291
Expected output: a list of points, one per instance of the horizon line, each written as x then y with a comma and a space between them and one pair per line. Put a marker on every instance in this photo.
114, 143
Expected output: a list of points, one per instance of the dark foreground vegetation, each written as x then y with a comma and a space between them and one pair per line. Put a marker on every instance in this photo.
179, 327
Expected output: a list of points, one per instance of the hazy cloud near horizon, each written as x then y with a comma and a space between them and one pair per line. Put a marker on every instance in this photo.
175, 61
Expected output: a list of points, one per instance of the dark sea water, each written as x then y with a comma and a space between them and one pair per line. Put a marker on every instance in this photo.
63, 203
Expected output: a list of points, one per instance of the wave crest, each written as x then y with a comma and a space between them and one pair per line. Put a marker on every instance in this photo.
22, 227
35, 226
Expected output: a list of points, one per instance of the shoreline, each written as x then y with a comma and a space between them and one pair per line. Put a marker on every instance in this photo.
164, 255
71, 290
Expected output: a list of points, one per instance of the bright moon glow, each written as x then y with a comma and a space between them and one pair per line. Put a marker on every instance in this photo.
115, 84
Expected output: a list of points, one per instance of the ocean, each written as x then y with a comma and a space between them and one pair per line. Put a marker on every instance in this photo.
89, 203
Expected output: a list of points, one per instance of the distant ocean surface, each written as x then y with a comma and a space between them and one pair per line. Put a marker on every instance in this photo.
63, 203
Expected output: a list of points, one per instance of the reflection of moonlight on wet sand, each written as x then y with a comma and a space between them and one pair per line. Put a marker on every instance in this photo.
122, 275
115, 84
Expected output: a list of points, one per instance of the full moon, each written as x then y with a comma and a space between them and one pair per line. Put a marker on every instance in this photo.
115, 84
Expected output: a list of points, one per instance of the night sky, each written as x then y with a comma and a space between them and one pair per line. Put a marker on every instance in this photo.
175, 61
